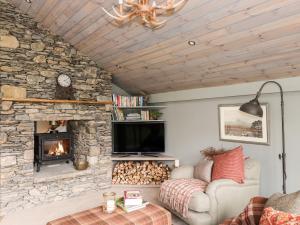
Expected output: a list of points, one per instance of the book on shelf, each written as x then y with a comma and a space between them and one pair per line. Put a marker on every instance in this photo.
128, 101
118, 114
131, 208
145, 114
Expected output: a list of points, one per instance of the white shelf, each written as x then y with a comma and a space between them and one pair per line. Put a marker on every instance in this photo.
136, 185
137, 121
141, 107
143, 158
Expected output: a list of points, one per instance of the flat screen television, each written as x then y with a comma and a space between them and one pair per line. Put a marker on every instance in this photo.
138, 137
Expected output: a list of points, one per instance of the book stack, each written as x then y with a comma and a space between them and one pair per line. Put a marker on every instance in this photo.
133, 116
128, 101
131, 201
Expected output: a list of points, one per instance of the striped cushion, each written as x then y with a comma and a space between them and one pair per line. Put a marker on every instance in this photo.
251, 214
229, 165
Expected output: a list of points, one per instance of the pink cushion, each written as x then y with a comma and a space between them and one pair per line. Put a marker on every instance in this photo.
229, 165
274, 217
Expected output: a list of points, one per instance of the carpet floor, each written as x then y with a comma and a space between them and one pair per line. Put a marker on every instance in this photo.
42, 214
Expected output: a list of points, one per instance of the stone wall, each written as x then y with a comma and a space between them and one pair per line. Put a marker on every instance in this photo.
31, 58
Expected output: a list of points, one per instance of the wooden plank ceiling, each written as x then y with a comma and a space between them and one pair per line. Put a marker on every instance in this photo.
236, 41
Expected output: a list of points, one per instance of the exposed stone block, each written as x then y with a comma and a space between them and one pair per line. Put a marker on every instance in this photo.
3, 138
32, 79
22, 117
8, 41
91, 130
58, 50
25, 46
48, 73
31, 111
91, 81
64, 63
93, 160
9, 91
7, 161
94, 151
11, 69
50, 61
4, 32
7, 112
83, 87
92, 71
28, 155
108, 108
38, 46
6, 105
64, 106
40, 59
103, 98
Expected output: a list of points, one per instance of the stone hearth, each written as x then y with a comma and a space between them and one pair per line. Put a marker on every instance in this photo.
30, 61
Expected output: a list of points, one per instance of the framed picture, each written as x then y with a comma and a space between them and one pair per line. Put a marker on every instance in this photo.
238, 126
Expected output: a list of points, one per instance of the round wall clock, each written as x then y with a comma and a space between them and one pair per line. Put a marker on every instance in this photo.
64, 89
64, 80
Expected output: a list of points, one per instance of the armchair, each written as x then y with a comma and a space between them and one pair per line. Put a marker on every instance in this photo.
223, 198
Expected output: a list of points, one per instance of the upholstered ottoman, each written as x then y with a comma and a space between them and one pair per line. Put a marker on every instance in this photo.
150, 215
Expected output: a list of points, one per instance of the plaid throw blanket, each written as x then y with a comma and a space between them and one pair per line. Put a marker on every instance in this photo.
251, 214
177, 193
151, 215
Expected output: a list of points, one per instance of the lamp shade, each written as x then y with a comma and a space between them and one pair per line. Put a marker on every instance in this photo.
253, 107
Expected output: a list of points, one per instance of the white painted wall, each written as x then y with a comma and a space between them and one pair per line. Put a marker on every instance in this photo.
192, 125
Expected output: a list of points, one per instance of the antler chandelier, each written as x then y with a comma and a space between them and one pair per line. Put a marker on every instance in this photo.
147, 11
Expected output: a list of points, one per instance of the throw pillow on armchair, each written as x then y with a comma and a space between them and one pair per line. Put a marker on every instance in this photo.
229, 165
202, 170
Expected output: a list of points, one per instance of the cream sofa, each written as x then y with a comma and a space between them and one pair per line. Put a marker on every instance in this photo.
223, 198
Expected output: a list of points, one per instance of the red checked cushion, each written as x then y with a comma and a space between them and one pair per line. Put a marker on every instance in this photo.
229, 165
274, 217
251, 214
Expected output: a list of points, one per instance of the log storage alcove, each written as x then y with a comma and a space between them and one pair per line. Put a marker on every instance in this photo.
145, 171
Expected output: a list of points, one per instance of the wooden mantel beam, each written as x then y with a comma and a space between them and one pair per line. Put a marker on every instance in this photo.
40, 100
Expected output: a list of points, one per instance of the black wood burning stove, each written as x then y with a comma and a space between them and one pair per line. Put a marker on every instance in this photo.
51, 148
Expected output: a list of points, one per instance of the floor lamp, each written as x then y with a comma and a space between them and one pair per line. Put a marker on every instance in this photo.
253, 107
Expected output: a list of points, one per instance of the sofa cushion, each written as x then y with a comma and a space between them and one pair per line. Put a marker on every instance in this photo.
203, 169
229, 165
199, 202
289, 203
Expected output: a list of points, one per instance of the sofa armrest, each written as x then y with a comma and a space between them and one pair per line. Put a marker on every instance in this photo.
182, 172
228, 198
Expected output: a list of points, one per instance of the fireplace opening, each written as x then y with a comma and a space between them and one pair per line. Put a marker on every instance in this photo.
53, 146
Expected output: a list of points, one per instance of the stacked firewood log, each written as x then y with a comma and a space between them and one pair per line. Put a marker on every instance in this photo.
135, 172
